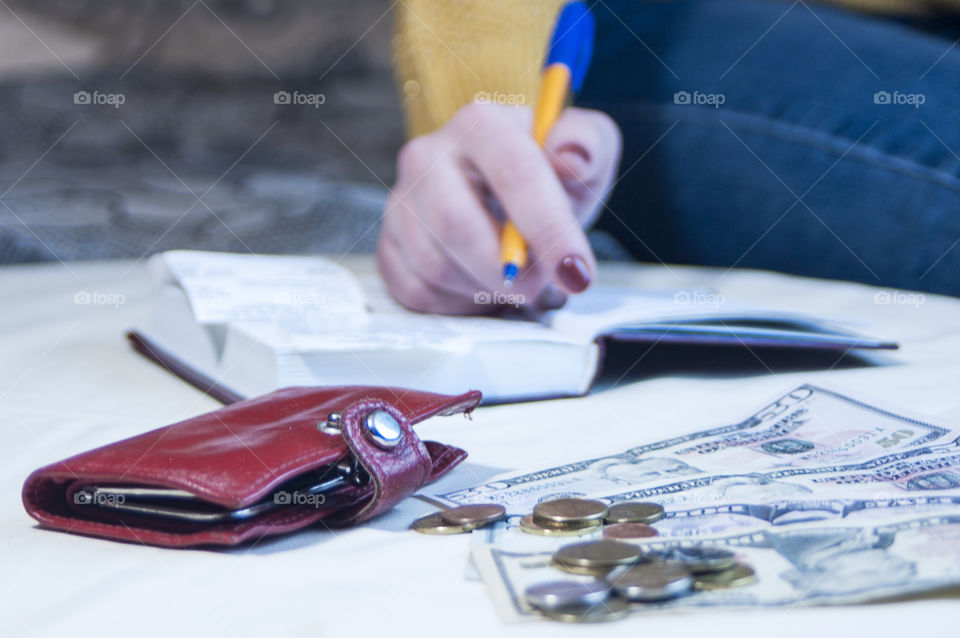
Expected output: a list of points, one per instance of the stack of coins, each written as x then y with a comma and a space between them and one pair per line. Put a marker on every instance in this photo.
572, 602
578, 516
559, 517
459, 520
565, 517
711, 567
596, 558
625, 575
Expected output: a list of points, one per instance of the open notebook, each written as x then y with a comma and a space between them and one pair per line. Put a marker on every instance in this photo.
242, 325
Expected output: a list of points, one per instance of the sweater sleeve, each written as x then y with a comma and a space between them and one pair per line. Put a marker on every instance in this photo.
448, 54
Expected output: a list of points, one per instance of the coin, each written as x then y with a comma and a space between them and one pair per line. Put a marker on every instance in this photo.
474, 514
593, 555
628, 531
527, 525
651, 581
613, 608
434, 524
564, 593
635, 513
569, 512
739, 575
698, 559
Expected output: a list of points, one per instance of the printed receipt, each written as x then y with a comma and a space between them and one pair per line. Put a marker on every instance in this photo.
229, 288
302, 304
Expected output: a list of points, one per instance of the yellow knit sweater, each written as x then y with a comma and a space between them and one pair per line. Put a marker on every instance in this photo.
451, 52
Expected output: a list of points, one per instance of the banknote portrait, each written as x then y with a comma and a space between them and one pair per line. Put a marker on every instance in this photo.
833, 562
632, 470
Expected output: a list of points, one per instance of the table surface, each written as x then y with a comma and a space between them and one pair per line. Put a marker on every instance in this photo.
69, 382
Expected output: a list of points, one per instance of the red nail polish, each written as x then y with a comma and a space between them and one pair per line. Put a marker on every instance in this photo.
572, 271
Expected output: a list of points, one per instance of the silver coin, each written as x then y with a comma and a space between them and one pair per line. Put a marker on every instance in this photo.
564, 593
698, 559
651, 581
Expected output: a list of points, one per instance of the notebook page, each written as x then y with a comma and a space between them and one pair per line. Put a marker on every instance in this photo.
605, 309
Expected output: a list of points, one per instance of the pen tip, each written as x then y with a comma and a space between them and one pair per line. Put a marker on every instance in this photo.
510, 272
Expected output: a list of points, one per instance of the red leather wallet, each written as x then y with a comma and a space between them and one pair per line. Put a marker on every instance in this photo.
264, 466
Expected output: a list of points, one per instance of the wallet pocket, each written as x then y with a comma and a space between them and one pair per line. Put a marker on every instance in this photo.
259, 467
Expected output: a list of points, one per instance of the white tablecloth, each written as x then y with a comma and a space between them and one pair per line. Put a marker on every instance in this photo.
69, 382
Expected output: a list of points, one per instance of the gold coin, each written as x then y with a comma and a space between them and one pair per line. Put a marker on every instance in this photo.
612, 608
635, 513
527, 525
628, 531
474, 514
596, 572
569, 512
434, 524
597, 554
739, 575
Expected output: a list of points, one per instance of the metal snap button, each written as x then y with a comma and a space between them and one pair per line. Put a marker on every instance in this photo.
383, 430
332, 424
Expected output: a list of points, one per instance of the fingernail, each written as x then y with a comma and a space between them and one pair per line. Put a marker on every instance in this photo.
572, 271
550, 298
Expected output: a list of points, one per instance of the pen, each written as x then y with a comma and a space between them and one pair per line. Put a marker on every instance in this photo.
568, 57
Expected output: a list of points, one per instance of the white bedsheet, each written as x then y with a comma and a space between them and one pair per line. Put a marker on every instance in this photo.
69, 382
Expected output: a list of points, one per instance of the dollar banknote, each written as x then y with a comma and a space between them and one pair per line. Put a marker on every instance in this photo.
803, 565
927, 469
806, 429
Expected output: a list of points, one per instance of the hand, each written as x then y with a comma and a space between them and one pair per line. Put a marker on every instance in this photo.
440, 242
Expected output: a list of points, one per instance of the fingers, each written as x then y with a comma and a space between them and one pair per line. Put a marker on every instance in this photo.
437, 233
530, 193
451, 230
584, 149
439, 244
413, 291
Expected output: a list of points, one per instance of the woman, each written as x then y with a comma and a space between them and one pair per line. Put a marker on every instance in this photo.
791, 136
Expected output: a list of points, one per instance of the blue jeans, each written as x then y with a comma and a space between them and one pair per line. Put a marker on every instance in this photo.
790, 137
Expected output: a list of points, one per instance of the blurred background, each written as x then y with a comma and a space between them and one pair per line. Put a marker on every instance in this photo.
128, 128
